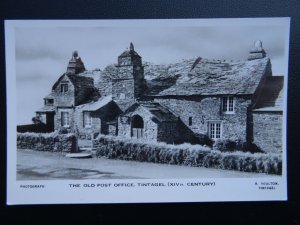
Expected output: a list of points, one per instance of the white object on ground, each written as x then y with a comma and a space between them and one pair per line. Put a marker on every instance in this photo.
79, 155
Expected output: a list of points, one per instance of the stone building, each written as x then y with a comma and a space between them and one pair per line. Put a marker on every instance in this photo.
149, 120
267, 116
70, 90
196, 101
97, 117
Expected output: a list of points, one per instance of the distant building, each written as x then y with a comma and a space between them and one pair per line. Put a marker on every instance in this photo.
190, 101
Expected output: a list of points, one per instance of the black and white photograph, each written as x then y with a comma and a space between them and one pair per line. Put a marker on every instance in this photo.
146, 110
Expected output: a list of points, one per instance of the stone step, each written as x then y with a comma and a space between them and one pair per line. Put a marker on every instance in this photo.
87, 149
81, 155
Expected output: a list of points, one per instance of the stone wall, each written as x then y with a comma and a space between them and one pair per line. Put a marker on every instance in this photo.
262, 86
65, 101
167, 132
52, 142
103, 81
139, 81
150, 127
153, 131
130, 83
129, 60
58, 122
186, 135
86, 132
123, 89
101, 121
64, 98
124, 61
124, 126
267, 131
201, 111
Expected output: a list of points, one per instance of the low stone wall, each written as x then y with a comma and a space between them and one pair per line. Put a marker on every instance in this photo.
52, 142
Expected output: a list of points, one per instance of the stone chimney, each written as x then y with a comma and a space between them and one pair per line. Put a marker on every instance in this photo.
131, 48
75, 65
130, 57
257, 52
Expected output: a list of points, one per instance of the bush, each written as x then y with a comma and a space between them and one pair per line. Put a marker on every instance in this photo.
228, 145
63, 130
187, 154
225, 145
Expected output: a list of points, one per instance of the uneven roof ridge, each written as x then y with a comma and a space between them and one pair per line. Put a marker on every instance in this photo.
213, 77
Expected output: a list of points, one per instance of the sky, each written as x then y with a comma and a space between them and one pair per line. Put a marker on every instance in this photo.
42, 52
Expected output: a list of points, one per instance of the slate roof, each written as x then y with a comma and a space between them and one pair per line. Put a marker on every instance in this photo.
46, 108
124, 104
159, 113
112, 72
271, 98
208, 77
51, 96
76, 80
93, 106
128, 53
162, 77
91, 73
115, 72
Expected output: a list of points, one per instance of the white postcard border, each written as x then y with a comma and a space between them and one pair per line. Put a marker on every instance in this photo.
60, 191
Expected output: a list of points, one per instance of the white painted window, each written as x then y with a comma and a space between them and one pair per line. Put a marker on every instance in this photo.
137, 133
228, 104
87, 119
214, 130
65, 119
137, 126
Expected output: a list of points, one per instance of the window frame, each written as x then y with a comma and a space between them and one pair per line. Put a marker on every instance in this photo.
87, 123
65, 122
49, 101
226, 104
137, 127
215, 130
64, 87
137, 133
190, 121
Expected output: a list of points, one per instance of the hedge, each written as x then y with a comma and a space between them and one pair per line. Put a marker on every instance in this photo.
186, 154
